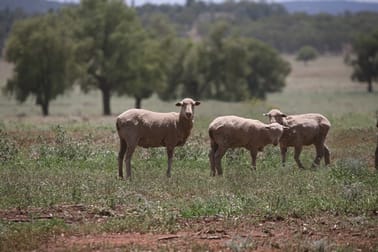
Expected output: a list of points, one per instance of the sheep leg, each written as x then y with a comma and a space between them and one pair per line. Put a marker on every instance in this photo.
253, 158
283, 155
170, 156
327, 158
121, 154
319, 154
213, 149
218, 159
129, 152
297, 153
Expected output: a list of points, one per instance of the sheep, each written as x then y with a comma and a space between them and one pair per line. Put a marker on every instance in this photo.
304, 130
233, 131
140, 127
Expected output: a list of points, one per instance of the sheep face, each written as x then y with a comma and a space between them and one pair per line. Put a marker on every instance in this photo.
275, 132
187, 107
275, 116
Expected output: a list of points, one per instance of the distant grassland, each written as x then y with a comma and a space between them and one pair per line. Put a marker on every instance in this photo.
71, 158
323, 86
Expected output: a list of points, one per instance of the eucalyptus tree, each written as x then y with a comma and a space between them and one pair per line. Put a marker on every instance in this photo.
110, 38
364, 59
42, 53
169, 50
306, 54
268, 70
240, 68
146, 74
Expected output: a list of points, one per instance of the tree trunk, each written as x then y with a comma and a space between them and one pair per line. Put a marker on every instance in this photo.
138, 102
370, 87
106, 101
45, 108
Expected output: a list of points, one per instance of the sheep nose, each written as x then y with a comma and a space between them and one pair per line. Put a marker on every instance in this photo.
188, 114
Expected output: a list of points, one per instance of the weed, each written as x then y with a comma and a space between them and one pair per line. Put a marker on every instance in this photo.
238, 244
8, 150
29, 236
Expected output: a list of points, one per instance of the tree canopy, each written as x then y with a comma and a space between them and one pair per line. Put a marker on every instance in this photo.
107, 48
109, 38
42, 53
229, 68
268, 22
364, 59
306, 53
271, 23
7, 18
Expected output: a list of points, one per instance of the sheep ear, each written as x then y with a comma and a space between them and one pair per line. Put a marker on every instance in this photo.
265, 114
196, 103
179, 104
283, 115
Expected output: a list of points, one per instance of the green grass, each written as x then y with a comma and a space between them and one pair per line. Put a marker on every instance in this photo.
71, 158
66, 170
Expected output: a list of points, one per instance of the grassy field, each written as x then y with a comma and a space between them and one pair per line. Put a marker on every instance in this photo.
59, 188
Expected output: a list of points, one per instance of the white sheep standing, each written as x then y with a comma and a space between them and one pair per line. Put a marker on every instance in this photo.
232, 131
304, 130
140, 127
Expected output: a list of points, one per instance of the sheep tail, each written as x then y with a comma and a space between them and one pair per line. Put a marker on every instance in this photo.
118, 124
211, 134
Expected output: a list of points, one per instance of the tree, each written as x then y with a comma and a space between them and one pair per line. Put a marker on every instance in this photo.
109, 38
193, 76
268, 70
306, 53
230, 69
241, 68
152, 60
176, 50
169, 52
146, 73
7, 17
364, 59
42, 53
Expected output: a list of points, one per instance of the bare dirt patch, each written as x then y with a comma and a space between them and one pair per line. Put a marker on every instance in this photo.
213, 235
209, 233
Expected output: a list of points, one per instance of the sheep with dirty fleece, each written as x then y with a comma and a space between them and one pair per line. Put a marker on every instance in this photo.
232, 132
140, 127
304, 130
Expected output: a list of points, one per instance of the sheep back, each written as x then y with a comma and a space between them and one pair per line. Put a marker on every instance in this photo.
233, 131
150, 129
305, 129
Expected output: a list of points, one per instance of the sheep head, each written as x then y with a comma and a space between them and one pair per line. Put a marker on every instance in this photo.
187, 107
276, 116
275, 132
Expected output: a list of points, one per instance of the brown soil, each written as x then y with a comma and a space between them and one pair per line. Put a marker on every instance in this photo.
210, 233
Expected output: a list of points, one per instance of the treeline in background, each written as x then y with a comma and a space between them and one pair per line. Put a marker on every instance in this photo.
227, 51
